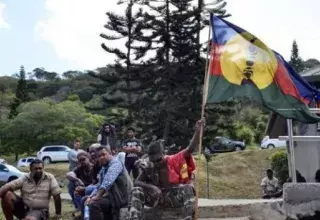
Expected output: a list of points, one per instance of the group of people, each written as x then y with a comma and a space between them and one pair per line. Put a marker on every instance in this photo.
99, 180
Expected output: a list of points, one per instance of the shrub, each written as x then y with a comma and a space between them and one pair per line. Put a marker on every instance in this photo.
279, 163
245, 133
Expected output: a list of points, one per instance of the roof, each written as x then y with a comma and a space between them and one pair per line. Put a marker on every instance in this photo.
277, 125
312, 74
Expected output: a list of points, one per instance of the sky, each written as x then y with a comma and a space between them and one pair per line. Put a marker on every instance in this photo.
62, 35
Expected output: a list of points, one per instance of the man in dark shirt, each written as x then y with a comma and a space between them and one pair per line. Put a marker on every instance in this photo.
81, 176
132, 148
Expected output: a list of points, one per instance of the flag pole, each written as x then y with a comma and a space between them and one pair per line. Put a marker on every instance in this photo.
204, 99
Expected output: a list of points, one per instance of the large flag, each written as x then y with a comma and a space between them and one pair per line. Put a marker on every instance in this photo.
243, 66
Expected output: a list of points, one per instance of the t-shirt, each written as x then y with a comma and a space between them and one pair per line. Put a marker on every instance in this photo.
95, 173
131, 143
72, 157
271, 185
84, 174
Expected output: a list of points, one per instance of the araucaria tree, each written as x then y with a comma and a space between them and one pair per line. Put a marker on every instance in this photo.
295, 60
21, 93
158, 76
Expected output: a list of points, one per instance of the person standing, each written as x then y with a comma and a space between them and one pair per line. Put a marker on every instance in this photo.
72, 155
132, 147
108, 137
36, 189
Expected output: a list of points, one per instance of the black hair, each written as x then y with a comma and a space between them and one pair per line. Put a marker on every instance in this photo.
156, 148
36, 161
98, 149
83, 153
131, 129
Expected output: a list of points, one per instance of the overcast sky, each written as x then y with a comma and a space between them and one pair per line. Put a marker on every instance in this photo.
61, 35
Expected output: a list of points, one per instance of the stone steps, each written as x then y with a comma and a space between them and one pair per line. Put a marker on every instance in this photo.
227, 209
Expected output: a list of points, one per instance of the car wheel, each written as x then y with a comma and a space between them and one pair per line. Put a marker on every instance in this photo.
238, 148
46, 160
270, 146
11, 178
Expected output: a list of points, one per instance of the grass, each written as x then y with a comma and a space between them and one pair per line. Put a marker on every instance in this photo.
235, 175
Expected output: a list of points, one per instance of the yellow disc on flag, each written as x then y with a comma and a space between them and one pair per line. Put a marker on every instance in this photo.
246, 57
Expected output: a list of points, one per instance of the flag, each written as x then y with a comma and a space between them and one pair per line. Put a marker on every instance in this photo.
243, 66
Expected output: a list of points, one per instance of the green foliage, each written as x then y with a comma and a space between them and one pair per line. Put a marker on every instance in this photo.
279, 163
295, 60
244, 133
45, 122
21, 93
308, 64
73, 97
252, 118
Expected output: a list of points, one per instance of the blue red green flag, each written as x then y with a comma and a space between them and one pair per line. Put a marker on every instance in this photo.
243, 66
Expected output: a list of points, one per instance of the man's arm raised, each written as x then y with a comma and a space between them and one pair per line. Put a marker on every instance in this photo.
196, 137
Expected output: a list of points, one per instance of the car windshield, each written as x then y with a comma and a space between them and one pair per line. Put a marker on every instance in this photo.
13, 169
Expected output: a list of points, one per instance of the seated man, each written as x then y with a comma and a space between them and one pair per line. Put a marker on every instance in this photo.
113, 189
36, 189
165, 181
81, 176
270, 187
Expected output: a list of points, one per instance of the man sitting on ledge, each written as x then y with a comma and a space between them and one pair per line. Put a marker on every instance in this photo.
164, 182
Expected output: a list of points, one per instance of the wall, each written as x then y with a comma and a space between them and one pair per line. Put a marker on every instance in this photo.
307, 153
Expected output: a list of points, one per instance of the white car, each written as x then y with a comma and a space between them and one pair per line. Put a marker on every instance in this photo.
25, 162
53, 153
268, 143
9, 173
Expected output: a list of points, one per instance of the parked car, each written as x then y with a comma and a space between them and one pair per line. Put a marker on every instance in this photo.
222, 145
53, 153
3, 160
268, 143
9, 173
25, 162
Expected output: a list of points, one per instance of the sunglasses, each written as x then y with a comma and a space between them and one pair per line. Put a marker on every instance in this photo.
83, 159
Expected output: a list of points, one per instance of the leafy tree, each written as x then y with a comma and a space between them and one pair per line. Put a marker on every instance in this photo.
295, 60
308, 64
21, 93
42, 74
64, 121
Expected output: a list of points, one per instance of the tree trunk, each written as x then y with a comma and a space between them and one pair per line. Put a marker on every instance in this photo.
17, 156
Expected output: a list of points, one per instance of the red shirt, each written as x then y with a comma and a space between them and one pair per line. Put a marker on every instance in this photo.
180, 168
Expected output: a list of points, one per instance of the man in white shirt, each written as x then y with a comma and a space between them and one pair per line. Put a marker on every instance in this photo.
270, 187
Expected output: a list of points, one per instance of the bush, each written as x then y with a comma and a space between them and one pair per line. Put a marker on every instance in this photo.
279, 163
245, 133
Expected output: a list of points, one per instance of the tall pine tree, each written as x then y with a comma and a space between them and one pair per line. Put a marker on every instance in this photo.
165, 86
119, 78
295, 60
21, 93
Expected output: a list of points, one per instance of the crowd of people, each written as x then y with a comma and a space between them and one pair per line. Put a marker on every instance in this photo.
100, 183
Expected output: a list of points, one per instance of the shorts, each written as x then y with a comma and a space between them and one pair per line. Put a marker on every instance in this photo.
21, 210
